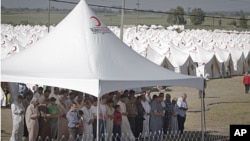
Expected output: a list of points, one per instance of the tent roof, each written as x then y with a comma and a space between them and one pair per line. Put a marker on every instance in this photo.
81, 53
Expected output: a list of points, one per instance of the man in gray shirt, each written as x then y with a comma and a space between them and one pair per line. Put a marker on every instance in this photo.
73, 120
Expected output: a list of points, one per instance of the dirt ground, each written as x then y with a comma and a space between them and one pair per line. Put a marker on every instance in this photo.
225, 102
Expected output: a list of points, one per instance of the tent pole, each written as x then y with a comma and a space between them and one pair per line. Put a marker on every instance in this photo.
122, 17
97, 120
49, 16
202, 116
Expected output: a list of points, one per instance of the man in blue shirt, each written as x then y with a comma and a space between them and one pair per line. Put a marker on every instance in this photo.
73, 120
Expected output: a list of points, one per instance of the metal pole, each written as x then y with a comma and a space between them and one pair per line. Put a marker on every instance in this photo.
122, 17
213, 23
137, 15
49, 16
202, 115
97, 120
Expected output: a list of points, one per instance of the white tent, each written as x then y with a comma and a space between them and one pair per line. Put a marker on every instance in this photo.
81, 53
181, 61
238, 61
224, 57
208, 65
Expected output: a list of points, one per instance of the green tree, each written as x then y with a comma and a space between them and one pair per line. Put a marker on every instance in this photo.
233, 22
243, 20
219, 22
197, 16
176, 16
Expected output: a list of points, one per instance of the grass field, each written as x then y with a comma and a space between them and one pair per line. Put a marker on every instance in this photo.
113, 19
225, 99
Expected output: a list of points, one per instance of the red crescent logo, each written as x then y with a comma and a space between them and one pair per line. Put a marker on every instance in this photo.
15, 48
98, 21
3, 43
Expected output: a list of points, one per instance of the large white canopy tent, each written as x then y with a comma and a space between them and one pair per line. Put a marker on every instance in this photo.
82, 54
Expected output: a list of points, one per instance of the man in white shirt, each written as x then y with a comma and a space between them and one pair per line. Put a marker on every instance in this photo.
17, 110
39, 92
148, 97
147, 108
44, 96
183, 107
88, 119
125, 126
55, 94
94, 113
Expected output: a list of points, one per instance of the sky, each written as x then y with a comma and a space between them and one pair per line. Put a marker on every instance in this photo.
156, 5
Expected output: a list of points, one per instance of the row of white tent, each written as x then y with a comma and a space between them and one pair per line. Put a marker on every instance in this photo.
213, 54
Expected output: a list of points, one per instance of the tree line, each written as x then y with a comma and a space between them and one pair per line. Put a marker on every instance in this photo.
197, 17
176, 16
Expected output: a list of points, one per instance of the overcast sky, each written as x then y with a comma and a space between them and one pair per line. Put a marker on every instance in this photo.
163, 5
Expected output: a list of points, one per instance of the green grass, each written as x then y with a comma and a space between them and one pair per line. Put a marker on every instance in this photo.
130, 18
218, 118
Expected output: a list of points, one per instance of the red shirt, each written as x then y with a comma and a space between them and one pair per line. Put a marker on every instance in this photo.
117, 118
246, 79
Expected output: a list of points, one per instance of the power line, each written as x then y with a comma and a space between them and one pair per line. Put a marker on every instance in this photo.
150, 11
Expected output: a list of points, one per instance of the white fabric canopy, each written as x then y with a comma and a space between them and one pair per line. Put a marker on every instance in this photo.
81, 53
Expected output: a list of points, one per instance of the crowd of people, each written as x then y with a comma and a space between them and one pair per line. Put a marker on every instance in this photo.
45, 114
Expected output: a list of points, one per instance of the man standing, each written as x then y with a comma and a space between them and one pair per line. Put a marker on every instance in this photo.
156, 121
73, 120
246, 82
31, 117
125, 126
147, 108
17, 110
132, 112
168, 112
183, 107
55, 94
148, 97
88, 119
38, 93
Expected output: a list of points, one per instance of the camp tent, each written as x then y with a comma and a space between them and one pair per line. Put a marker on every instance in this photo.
81, 53
207, 63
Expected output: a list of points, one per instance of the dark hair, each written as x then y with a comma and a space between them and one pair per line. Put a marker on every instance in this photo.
19, 97
138, 97
80, 112
154, 96
131, 92
40, 88
73, 103
29, 92
95, 99
56, 88
125, 91
116, 106
47, 91
63, 91
123, 96
161, 94
52, 99
109, 101
111, 93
